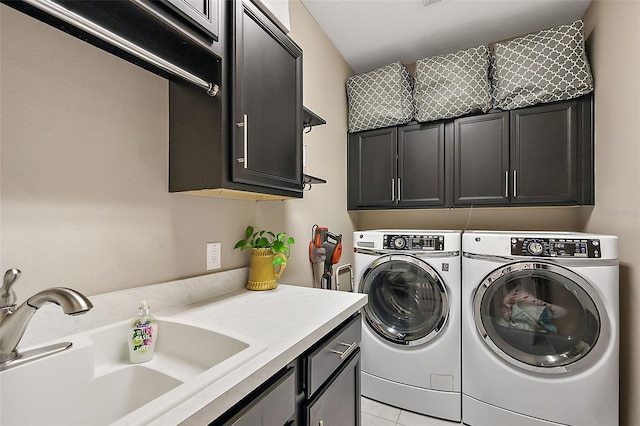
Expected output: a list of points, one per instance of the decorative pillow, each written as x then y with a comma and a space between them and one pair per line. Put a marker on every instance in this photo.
550, 65
452, 85
380, 98
492, 73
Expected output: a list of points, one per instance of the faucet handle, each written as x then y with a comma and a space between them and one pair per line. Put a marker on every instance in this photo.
7, 295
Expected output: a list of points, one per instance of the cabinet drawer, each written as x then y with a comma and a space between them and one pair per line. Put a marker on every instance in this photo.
273, 403
339, 402
329, 355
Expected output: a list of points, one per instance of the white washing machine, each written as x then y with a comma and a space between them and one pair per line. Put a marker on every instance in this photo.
411, 334
540, 330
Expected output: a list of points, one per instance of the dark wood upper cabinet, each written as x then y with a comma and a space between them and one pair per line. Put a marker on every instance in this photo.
480, 172
544, 154
246, 142
540, 155
397, 167
421, 165
266, 103
372, 168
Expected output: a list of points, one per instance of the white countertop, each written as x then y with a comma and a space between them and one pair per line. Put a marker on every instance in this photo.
288, 319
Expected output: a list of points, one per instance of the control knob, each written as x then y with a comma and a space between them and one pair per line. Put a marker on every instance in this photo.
399, 243
535, 248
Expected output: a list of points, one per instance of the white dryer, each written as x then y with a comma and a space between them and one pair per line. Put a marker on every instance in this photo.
411, 334
540, 331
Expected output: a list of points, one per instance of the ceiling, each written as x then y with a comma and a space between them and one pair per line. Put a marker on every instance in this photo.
374, 33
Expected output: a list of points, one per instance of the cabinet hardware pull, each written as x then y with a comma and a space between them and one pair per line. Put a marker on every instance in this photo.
506, 184
515, 185
350, 348
244, 124
393, 190
399, 192
113, 39
321, 423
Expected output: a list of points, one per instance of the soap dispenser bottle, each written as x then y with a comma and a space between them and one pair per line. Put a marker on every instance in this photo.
143, 333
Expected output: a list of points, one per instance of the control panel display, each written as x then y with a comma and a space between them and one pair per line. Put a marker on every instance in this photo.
413, 242
555, 247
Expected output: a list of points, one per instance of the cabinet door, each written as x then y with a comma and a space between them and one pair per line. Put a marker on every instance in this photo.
421, 171
203, 14
267, 103
272, 404
481, 159
339, 402
544, 156
372, 168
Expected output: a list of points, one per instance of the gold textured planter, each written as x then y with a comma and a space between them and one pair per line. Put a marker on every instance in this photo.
262, 273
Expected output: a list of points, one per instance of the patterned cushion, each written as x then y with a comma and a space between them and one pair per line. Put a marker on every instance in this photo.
452, 85
546, 66
380, 98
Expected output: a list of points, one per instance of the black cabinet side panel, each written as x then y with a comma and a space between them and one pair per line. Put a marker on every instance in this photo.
195, 139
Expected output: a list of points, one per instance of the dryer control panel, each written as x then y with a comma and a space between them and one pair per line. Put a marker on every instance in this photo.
555, 247
413, 242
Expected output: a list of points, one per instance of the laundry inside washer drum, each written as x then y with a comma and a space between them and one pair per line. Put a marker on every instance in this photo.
405, 301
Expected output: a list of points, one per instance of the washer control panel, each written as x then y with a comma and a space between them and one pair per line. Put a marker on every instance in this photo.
555, 247
413, 242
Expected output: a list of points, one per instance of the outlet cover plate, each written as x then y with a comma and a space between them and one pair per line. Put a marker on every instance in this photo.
214, 256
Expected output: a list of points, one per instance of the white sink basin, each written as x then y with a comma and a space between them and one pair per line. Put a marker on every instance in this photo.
93, 383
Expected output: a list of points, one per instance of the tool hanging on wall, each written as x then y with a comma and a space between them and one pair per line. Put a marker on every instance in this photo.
325, 250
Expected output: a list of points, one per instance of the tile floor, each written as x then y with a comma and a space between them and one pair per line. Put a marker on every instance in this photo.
375, 413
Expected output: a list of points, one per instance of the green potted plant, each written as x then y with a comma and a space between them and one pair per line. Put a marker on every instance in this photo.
269, 255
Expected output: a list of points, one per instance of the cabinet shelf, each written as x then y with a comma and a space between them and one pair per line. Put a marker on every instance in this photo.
309, 120
312, 179
308, 181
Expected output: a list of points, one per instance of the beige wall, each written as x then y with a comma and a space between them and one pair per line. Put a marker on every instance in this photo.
84, 152
83, 168
613, 42
325, 73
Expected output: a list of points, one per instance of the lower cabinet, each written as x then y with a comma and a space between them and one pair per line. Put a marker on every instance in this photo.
331, 380
321, 387
273, 403
335, 405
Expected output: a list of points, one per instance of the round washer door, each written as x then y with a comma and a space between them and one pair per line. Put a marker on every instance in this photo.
540, 317
408, 300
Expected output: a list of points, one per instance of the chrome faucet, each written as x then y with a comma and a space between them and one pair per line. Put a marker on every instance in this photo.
14, 321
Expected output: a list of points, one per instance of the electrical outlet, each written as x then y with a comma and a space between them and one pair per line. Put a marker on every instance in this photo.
214, 256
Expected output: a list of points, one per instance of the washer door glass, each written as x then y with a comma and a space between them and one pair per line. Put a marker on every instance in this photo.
537, 316
408, 301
